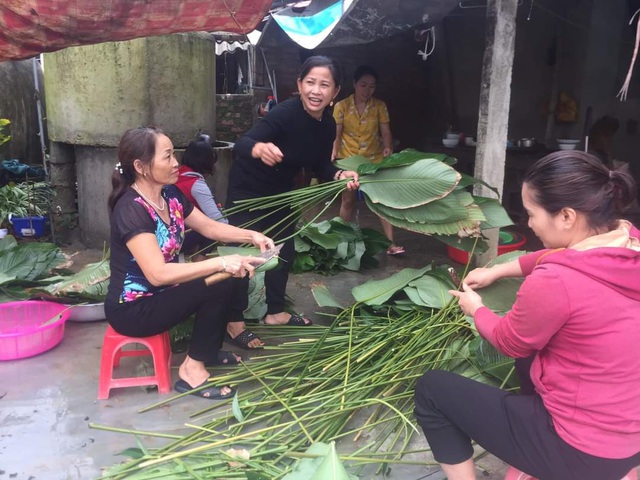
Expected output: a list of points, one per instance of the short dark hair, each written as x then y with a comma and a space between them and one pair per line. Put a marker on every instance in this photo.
363, 70
200, 155
321, 61
579, 180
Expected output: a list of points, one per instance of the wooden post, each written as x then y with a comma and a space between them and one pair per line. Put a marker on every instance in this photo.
493, 116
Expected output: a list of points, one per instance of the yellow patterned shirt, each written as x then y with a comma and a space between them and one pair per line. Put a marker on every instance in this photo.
361, 133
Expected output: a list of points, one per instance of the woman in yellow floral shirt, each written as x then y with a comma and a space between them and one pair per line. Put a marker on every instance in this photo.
362, 128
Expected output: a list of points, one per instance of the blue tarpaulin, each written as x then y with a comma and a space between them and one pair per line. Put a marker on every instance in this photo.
14, 170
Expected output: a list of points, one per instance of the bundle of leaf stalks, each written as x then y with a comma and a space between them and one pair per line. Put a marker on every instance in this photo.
352, 381
335, 245
415, 191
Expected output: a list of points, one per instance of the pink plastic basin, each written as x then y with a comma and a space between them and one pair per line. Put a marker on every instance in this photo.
30, 327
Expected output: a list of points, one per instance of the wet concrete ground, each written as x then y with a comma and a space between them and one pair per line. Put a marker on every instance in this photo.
47, 402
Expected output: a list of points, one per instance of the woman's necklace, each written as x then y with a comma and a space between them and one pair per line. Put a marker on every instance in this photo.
158, 207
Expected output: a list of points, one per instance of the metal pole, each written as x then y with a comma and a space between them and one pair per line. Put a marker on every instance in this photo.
34, 63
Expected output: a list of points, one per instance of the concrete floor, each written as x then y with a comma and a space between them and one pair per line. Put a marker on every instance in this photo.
47, 402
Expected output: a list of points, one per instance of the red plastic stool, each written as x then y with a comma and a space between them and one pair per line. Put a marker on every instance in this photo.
158, 346
515, 474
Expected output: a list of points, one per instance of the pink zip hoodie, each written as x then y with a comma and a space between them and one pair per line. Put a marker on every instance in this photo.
579, 310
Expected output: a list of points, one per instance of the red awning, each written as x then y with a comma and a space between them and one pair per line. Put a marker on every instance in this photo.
28, 28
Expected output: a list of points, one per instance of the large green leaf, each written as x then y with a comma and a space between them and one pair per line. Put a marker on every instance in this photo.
493, 363
376, 292
433, 291
352, 163
353, 260
320, 234
323, 296
30, 261
6, 278
500, 296
443, 210
270, 264
465, 227
410, 186
7, 243
301, 245
323, 463
468, 180
90, 282
495, 214
257, 297
401, 159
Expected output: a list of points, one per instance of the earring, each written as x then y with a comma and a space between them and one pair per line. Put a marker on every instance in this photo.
331, 103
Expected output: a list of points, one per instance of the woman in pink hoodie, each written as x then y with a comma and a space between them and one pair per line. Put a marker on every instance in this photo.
576, 320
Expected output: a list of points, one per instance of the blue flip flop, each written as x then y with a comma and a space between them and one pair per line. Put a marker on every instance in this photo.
211, 393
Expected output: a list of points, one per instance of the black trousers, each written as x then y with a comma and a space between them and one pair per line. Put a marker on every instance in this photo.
452, 410
162, 311
275, 280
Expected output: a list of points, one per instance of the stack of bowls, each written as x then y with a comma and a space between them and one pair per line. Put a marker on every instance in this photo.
451, 140
567, 144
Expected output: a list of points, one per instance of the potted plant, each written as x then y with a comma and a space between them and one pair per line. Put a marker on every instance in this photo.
25, 206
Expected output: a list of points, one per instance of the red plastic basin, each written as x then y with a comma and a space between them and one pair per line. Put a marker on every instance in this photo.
507, 242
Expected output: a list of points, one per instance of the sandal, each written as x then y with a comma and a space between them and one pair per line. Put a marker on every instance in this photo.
225, 359
395, 250
243, 340
210, 393
294, 321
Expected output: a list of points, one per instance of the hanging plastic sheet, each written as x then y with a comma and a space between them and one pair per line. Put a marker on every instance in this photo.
36, 26
327, 23
310, 27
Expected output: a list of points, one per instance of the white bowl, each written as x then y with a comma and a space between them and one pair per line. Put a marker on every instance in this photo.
567, 141
450, 142
87, 313
452, 136
566, 146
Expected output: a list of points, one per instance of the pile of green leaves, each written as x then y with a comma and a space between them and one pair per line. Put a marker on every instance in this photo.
334, 245
423, 193
413, 190
26, 199
353, 379
40, 270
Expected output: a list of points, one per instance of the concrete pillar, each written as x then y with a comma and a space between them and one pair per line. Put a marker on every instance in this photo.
219, 181
62, 174
495, 94
96, 92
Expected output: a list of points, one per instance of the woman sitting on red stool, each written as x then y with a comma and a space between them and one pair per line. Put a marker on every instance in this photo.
149, 291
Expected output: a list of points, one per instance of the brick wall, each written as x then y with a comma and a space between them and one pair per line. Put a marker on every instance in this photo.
235, 114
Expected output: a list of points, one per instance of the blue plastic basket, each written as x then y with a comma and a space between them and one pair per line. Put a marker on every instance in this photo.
28, 226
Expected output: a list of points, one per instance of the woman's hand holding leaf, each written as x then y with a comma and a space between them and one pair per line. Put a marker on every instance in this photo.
353, 183
261, 241
468, 300
480, 278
